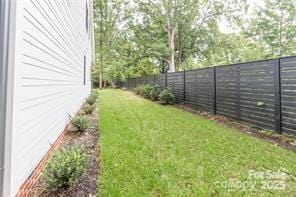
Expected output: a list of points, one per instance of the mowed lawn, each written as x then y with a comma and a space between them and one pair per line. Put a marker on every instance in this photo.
151, 150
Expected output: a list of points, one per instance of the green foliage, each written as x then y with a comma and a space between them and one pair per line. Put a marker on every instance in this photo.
146, 91
88, 109
80, 122
230, 48
91, 99
166, 96
109, 18
189, 64
95, 76
140, 90
115, 71
94, 93
145, 66
273, 27
155, 91
137, 38
65, 167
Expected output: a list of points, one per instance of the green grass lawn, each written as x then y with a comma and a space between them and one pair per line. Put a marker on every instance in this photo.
151, 150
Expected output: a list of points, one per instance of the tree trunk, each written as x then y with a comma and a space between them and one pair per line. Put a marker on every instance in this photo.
171, 41
105, 83
101, 75
113, 85
180, 47
101, 45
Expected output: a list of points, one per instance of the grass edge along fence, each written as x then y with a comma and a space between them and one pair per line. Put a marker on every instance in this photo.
260, 93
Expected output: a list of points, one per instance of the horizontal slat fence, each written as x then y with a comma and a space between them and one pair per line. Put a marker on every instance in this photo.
160, 80
288, 94
261, 93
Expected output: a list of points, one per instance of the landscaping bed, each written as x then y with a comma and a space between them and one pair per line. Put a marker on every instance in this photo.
86, 185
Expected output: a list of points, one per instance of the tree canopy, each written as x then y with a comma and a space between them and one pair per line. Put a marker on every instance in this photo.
135, 38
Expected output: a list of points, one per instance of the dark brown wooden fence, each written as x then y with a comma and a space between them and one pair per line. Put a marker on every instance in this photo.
261, 93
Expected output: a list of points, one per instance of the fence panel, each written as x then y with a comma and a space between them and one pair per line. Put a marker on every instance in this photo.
170, 81
288, 94
132, 84
124, 84
191, 90
261, 93
143, 80
150, 79
200, 88
178, 89
257, 93
138, 81
160, 80
227, 91
205, 88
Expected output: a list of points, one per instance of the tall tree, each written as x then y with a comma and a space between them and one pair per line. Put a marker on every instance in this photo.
164, 13
108, 17
138, 38
196, 19
183, 19
274, 26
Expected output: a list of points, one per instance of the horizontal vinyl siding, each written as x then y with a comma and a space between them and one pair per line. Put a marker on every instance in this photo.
52, 41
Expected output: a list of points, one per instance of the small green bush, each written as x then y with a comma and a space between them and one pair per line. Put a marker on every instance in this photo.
95, 93
166, 97
139, 89
91, 99
80, 112
65, 167
80, 122
88, 109
155, 92
146, 91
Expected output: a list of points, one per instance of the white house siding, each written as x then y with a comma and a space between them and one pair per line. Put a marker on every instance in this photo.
51, 41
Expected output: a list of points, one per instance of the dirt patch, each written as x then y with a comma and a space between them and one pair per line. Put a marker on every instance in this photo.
87, 183
283, 140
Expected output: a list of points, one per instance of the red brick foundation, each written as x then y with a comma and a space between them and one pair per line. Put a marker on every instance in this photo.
29, 183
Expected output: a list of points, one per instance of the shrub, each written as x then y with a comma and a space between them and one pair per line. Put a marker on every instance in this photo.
146, 91
139, 89
166, 97
80, 122
80, 113
155, 91
65, 167
91, 99
95, 93
88, 109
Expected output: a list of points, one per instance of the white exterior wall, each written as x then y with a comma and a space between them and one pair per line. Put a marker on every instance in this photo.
51, 41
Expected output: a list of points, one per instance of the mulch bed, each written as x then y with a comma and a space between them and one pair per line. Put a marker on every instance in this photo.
283, 140
86, 186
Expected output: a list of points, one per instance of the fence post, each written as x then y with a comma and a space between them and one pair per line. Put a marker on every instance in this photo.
277, 94
166, 80
154, 79
184, 87
214, 92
